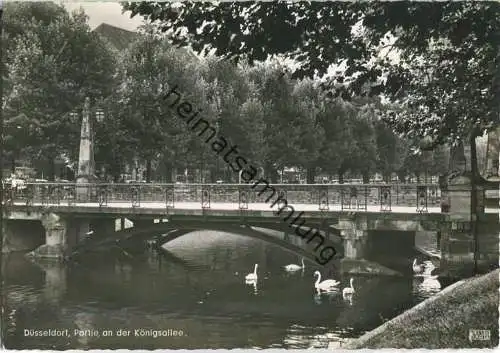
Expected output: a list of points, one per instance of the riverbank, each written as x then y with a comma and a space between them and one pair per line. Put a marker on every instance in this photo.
444, 320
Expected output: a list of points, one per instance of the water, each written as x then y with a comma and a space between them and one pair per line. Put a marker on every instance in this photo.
198, 289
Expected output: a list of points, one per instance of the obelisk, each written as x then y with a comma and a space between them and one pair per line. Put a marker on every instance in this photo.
86, 164
492, 155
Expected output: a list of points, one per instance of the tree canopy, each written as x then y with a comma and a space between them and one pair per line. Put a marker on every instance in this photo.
52, 61
278, 121
438, 59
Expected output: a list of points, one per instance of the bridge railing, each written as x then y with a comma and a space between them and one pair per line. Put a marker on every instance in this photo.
325, 196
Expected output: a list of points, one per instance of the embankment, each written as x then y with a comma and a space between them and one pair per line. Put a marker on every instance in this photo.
444, 320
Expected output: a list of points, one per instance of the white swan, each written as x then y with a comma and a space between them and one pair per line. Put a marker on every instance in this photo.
294, 267
417, 268
252, 276
428, 268
326, 285
348, 291
431, 283
253, 282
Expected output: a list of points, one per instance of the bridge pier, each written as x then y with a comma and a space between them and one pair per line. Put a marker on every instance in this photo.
61, 235
469, 237
354, 231
457, 238
55, 238
457, 249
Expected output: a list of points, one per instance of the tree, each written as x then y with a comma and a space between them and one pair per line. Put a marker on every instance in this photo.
53, 61
459, 39
149, 67
389, 150
365, 147
280, 135
308, 100
336, 153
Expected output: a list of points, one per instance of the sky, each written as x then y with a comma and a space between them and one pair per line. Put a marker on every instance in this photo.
109, 12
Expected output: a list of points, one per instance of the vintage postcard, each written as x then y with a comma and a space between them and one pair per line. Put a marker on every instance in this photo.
253, 175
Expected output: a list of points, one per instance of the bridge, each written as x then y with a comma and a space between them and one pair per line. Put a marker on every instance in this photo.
321, 222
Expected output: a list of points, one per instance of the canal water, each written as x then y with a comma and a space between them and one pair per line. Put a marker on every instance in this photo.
192, 297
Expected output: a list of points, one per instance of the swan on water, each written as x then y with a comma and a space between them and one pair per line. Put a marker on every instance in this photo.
294, 267
348, 291
417, 268
252, 276
428, 268
252, 282
431, 283
326, 285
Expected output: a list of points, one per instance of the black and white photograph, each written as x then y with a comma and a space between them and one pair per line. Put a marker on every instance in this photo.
250, 175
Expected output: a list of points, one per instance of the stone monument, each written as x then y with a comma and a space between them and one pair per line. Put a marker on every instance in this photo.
86, 163
492, 155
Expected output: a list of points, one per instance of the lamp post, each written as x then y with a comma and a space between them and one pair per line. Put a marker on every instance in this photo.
217, 125
99, 118
217, 105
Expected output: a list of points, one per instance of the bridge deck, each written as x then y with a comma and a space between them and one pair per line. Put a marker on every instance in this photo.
229, 206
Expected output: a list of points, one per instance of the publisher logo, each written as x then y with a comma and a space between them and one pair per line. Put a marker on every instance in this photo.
479, 335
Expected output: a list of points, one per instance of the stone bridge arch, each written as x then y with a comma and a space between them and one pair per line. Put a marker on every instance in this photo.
168, 231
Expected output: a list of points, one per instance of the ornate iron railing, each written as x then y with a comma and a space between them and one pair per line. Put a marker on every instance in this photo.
357, 197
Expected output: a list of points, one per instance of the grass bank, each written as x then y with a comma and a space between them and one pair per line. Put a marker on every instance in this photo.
443, 321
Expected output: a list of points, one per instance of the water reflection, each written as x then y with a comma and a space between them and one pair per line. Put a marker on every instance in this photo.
252, 283
318, 337
426, 284
348, 292
424, 287
326, 297
348, 298
198, 287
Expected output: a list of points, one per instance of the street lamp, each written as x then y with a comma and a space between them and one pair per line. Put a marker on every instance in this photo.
99, 118
99, 115
217, 125
73, 117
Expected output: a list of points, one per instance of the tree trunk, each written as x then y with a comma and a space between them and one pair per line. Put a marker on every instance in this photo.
473, 158
402, 177
148, 170
213, 175
13, 165
475, 210
272, 173
228, 174
52, 169
167, 176
274, 176
311, 175
200, 171
70, 174
366, 178
173, 174
341, 176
